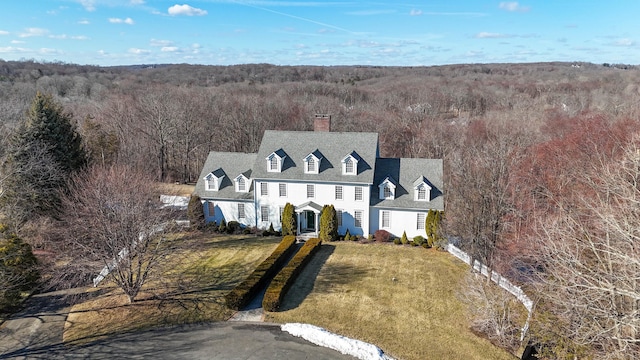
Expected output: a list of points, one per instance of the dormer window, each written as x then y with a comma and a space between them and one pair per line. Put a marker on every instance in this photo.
421, 189
275, 161
242, 183
312, 163
387, 189
350, 164
213, 180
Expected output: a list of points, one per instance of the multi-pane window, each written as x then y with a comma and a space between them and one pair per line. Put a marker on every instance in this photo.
311, 165
311, 191
283, 190
357, 218
280, 212
386, 191
264, 213
348, 166
339, 217
386, 221
241, 214
211, 208
358, 193
420, 221
422, 192
273, 163
338, 192
264, 189
241, 184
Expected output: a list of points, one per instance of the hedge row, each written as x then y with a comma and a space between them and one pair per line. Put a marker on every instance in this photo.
242, 294
285, 278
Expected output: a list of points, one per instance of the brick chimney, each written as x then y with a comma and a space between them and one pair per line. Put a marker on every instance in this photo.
322, 122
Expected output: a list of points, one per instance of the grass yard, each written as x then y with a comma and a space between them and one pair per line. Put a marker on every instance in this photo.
397, 297
192, 283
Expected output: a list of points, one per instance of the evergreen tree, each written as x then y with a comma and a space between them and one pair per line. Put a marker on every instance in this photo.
328, 224
47, 124
195, 212
45, 150
289, 226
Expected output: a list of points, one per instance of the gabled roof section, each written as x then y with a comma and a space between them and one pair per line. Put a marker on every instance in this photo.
389, 180
231, 164
421, 180
333, 146
218, 173
409, 173
279, 153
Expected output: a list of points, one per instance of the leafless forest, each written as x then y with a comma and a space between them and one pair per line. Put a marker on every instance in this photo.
541, 160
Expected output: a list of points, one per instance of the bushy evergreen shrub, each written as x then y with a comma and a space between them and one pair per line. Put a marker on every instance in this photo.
233, 227
404, 240
18, 269
289, 225
347, 236
195, 213
223, 227
418, 240
328, 224
397, 241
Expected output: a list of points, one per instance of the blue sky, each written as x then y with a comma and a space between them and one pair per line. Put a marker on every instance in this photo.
334, 32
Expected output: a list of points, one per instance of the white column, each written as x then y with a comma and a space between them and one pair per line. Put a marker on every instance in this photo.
298, 222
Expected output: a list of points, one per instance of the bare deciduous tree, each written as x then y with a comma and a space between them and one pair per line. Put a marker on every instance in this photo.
112, 218
591, 274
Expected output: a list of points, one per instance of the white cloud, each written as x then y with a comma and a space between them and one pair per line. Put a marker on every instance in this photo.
17, 42
60, 37
89, 5
624, 42
11, 49
49, 51
80, 37
128, 21
3, 32
186, 10
137, 2
169, 49
84, 22
513, 6
415, 12
160, 43
488, 35
138, 51
29, 32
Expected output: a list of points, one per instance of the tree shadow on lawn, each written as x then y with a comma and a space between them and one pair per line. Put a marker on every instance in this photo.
334, 274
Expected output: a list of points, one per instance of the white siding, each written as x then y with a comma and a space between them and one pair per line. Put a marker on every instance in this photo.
324, 194
228, 209
400, 221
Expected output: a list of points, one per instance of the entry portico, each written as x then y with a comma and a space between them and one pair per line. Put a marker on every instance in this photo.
308, 216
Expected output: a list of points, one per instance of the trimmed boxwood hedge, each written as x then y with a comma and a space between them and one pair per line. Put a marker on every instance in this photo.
242, 294
287, 276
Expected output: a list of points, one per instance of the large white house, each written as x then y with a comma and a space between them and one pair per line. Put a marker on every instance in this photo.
310, 169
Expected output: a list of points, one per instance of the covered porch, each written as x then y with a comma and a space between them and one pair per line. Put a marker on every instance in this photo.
308, 218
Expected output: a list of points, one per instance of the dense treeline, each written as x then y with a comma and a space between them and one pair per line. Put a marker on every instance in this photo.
523, 144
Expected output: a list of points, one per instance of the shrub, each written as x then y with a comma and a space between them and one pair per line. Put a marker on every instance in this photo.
328, 224
347, 236
382, 236
271, 230
289, 226
242, 294
18, 267
404, 240
246, 231
266, 233
287, 276
223, 227
233, 227
397, 241
418, 240
195, 213
370, 237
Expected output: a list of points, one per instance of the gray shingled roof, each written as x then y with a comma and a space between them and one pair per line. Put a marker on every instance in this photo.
232, 164
333, 146
405, 172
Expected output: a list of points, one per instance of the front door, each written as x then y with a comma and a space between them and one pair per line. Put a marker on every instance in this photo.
311, 220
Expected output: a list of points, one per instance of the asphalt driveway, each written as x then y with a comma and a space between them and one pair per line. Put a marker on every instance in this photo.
36, 333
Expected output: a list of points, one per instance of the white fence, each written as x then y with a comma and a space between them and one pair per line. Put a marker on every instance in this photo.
499, 280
